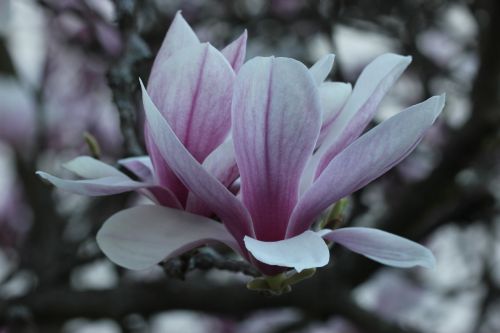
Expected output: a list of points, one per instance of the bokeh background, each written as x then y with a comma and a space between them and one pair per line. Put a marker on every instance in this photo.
68, 77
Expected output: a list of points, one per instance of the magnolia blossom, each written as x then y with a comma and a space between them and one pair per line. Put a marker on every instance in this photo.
291, 138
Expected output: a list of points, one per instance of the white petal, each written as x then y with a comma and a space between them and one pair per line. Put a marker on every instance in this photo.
382, 246
322, 68
94, 187
89, 167
142, 236
307, 250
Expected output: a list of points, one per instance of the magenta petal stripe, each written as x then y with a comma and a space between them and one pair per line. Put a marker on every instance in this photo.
365, 159
276, 121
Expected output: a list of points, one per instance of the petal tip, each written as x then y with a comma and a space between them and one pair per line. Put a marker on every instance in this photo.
430, 261
41, 174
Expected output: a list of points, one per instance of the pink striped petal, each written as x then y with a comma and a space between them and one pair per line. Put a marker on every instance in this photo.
94, 187
236, 51
193, 93
142, 236
366, 159
179, 36
140, 166
307, 250
373, 83
161, 196
276, 121
322, 68
222, 165
215, 195
382, 247
165, 177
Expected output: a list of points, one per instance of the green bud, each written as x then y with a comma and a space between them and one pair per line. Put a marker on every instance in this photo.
93, 145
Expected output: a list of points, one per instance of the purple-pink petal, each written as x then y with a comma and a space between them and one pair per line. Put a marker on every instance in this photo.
141, 166
215, 195
276, 119
373, 83
222, 165
179, 36
364, 160
193, 92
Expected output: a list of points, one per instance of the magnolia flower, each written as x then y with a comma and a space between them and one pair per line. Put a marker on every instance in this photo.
295, 143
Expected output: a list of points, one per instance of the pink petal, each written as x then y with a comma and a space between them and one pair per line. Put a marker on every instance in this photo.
236, 51
322, 68
383, 247
307, 250
141, 237
366, 159
276, 121
161, 196
165, 177
179, 36
193, 91
141, 166
373, 83
222, 165
194, 176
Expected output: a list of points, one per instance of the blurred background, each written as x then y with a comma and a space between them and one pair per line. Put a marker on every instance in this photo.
68, 78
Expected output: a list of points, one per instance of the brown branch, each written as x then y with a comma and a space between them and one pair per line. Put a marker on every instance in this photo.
123, 76
206, 259
199, 295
